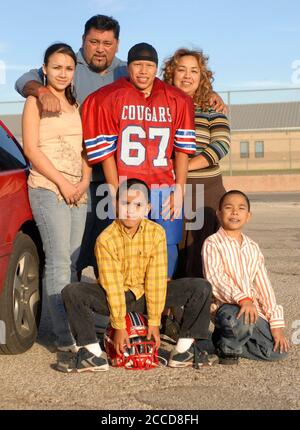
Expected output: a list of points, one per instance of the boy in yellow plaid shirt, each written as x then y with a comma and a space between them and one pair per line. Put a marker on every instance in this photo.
132, 259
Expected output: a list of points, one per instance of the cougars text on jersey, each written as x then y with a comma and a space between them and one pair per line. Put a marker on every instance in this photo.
142, 133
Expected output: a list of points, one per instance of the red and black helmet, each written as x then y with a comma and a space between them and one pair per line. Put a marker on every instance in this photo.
142, 354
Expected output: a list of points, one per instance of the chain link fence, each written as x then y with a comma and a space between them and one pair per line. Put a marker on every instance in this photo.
265, 130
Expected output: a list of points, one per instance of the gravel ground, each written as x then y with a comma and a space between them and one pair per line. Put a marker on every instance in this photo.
28, 381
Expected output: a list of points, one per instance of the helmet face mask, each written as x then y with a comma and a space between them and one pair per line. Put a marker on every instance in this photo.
142, 354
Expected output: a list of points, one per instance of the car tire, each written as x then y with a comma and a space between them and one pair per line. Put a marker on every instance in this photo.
20, 300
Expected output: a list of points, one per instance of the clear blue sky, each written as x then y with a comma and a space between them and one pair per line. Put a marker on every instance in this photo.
251, 44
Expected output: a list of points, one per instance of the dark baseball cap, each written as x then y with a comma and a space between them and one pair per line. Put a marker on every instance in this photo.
142, 51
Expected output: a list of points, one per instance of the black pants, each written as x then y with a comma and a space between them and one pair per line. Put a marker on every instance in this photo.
190, 260
82, 300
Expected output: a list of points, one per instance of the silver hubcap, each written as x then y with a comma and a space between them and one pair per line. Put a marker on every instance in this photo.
26, 294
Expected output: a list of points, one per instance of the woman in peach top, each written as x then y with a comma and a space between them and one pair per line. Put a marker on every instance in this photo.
58, 180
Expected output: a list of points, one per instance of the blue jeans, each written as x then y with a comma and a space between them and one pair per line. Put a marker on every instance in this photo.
233, 336
173, 228
61, 228
93, 227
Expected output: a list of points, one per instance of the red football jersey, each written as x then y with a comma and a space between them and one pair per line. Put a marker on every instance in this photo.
141, 132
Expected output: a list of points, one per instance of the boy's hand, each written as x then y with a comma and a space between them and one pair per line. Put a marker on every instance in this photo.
281, 344
249, 309
121, 340
172, 206
154, 332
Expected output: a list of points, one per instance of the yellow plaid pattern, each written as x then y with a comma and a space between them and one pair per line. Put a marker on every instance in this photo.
138, 264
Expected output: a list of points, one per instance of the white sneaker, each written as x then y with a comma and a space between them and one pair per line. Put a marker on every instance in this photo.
69, 348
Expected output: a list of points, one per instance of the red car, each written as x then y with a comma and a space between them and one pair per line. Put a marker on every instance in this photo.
21, 255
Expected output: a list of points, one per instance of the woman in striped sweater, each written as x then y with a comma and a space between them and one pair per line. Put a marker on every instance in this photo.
187, 70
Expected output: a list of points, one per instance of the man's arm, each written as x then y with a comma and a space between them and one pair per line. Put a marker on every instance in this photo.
217, 103
33, 75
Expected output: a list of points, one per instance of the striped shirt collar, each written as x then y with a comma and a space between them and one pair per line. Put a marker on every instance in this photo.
225, 236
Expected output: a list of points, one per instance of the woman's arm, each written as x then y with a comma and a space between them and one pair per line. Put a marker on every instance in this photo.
215, 140
30, 130
198, 162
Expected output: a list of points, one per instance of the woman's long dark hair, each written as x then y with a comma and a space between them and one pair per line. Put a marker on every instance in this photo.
62, 48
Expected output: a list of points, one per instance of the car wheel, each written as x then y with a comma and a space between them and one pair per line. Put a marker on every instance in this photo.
20, 300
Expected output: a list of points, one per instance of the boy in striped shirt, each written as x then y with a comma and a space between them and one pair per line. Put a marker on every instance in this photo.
248, 321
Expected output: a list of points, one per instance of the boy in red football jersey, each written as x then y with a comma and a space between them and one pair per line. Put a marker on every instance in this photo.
133, 127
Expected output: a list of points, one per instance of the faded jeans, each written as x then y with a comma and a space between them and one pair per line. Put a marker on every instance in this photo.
233, 336
61, 228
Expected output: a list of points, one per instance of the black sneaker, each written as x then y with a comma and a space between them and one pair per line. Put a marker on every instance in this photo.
169, 330
227, 359
204, 359
192, 357
182, 359
84, 361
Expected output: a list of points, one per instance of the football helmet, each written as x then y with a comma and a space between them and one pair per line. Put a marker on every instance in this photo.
142, 354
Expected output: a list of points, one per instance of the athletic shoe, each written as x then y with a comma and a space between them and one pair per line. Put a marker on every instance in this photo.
84, 361
192, 357
70, 348
169, 330
205, 359
227, 359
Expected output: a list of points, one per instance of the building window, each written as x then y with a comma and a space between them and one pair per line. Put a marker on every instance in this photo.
259, 149
244, 149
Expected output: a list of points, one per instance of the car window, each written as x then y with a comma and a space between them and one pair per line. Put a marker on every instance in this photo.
11, 157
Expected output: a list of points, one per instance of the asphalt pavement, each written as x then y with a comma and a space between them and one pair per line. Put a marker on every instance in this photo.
28, 381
